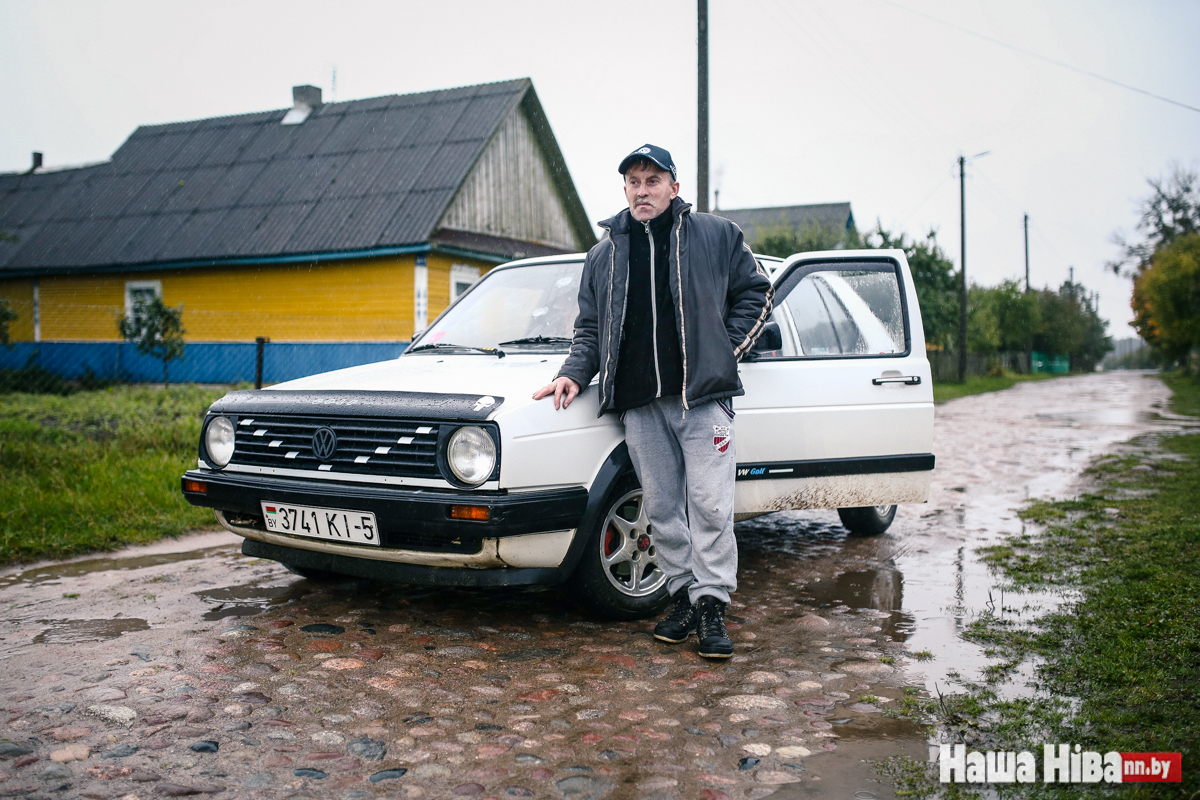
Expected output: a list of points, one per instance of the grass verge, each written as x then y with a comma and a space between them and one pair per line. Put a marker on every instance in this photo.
978, 384
1117, 665
97, 470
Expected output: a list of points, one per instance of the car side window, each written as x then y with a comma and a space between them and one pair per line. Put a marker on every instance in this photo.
845, 310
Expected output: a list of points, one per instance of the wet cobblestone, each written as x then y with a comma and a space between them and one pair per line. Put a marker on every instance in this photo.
420, 693
357, 690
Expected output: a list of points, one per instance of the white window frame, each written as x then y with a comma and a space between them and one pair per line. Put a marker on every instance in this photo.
132, 287
461, 273
420, 296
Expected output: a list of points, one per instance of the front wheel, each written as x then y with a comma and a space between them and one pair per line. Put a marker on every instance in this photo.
868, 520
618, 576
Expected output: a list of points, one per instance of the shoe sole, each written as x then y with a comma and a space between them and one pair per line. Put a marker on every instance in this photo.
671, 641
716, 655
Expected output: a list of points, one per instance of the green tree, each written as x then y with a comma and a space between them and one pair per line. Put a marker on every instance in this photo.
783, 240
1070, 324
934, 278
7, 315
1166, 298
1172, 210
156, 329
1001, 318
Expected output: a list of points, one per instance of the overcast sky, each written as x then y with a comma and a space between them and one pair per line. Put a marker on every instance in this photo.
869, 101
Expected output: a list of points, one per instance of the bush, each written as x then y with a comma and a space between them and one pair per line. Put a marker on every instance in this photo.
32, 379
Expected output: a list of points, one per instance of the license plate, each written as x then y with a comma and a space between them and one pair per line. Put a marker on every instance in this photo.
334, 524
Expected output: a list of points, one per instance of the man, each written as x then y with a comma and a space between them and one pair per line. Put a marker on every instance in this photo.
668, 304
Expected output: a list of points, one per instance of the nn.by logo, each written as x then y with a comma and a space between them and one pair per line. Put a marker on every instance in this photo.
1060, 764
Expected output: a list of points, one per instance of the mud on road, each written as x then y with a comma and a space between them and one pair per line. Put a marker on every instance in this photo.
188, 669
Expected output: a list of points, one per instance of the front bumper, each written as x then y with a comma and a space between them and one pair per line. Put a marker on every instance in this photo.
529, 530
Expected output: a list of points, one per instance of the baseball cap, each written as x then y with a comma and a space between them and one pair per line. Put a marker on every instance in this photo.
656, 154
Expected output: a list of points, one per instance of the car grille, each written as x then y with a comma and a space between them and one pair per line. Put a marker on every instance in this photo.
400, 448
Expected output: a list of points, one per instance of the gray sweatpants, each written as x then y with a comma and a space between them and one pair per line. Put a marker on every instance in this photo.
687, 469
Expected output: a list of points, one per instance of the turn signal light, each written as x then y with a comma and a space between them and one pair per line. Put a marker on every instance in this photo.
198, 487
476, 513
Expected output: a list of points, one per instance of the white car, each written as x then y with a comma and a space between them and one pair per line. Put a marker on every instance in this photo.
438, 467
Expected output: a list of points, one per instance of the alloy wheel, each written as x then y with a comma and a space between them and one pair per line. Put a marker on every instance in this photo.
627, 551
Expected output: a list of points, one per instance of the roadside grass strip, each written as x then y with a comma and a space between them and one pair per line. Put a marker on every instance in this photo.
979, 384
97, 470
1115, 665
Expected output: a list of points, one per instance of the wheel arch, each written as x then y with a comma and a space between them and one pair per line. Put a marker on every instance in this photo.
616, 468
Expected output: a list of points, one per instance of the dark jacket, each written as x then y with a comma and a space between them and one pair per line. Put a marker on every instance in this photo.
721, 295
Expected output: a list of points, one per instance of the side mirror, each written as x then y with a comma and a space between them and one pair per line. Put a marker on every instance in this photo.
770, 339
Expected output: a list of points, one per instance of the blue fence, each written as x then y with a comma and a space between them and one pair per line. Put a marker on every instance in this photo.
202, 362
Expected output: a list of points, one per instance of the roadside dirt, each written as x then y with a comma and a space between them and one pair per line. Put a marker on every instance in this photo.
186, 668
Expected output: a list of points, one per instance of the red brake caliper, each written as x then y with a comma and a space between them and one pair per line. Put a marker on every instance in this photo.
610, 540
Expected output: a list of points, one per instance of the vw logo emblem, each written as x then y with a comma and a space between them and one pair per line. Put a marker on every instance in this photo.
324, 443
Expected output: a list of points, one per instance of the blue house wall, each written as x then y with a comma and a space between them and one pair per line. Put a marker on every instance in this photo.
202, 362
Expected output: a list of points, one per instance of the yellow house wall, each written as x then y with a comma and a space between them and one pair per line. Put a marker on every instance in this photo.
353, 300
19, 294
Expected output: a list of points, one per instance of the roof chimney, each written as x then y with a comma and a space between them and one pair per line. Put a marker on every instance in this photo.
37, 163
305, 100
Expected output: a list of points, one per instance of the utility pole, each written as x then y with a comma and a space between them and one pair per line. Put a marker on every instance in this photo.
1026, 253
702, 105
962, 270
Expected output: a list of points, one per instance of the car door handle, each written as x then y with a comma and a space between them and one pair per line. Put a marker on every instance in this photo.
907, 380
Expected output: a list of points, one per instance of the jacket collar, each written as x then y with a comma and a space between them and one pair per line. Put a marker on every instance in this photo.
622, 221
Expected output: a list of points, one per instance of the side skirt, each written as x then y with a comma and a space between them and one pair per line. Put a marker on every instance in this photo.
833, 491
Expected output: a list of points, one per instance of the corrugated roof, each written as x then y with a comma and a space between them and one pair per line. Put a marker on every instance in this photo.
360, 175
836, 216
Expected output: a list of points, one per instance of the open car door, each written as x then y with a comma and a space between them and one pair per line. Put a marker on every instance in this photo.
841, 414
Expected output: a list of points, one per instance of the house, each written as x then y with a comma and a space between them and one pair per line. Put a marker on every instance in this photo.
336, 230
830, 216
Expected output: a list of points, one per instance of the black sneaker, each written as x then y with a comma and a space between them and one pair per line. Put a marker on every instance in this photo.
680, 623
710, 628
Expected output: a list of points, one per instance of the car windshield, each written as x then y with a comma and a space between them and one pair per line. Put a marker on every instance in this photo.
531, 307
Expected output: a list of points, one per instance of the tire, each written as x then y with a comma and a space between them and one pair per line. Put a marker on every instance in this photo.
868, 520
618, 577
316, 575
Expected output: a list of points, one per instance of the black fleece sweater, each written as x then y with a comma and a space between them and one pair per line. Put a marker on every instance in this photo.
648, 300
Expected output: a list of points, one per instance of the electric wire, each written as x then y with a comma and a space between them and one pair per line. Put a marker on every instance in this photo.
1041, 57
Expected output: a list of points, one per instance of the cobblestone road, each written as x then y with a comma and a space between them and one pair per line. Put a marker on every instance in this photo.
187, 669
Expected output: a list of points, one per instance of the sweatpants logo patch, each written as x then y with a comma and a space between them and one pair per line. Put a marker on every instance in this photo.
721, 438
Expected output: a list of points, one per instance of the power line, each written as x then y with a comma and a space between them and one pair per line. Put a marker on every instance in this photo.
1047, 59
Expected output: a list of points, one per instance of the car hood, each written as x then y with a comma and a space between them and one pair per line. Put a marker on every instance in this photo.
514, 378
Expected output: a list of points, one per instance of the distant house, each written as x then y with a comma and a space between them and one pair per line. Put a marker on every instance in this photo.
831, 216
334, 229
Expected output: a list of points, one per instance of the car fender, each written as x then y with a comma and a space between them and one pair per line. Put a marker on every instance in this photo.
615, 468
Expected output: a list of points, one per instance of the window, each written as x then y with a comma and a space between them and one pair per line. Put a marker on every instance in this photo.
140, 290
461, 279
842, 310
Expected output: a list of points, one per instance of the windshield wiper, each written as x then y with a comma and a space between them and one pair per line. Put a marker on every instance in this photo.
541, 340
487, 351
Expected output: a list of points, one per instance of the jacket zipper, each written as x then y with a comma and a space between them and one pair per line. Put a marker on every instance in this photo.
612, 252
682, 324
654, 314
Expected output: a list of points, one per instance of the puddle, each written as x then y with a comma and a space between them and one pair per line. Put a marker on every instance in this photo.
877, 589
246, 601
75, 631
996, 452
75, 569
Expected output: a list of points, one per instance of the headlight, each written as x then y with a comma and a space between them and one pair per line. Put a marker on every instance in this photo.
218, 441
471, 454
